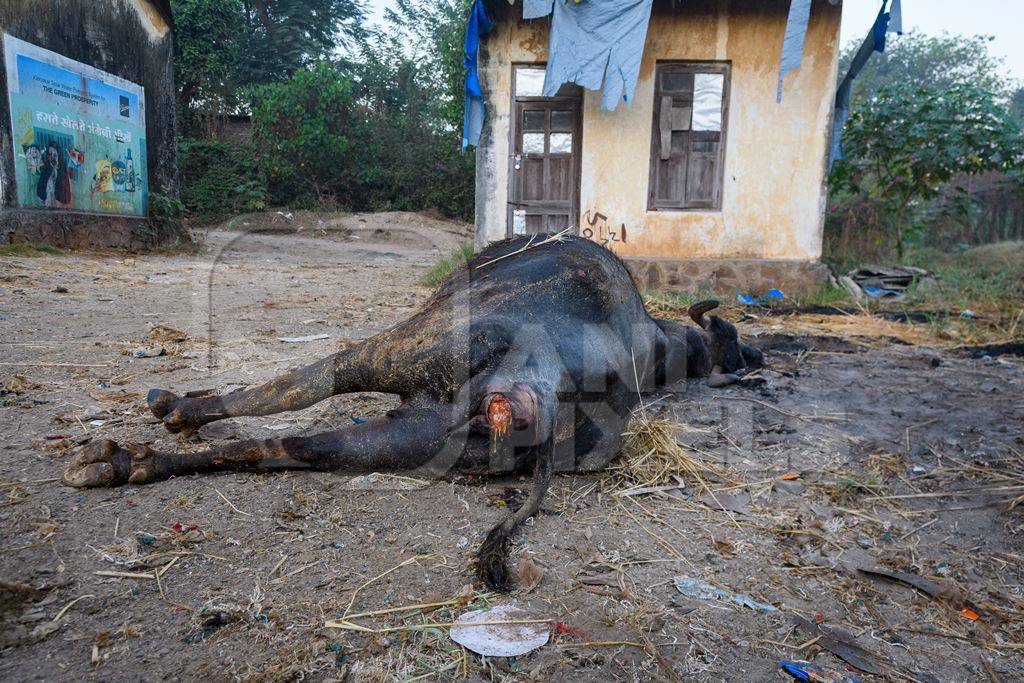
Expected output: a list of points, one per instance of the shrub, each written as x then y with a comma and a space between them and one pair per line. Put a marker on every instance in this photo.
306, 132
218, 179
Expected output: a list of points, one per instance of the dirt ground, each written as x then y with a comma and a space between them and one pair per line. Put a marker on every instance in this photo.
841, 456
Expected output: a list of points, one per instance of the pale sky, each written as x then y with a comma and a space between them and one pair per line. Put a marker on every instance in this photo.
1003, 19
1000, 18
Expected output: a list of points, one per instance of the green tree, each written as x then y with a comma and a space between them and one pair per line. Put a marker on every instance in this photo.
903, 143
207, 52
375, 127
224, 45
433, 33
281, 36
934, 62
412, 144
306, 130
219, 179
1017, 106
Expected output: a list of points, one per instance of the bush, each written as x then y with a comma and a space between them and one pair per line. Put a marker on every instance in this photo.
369, 142
306, 132
219, 179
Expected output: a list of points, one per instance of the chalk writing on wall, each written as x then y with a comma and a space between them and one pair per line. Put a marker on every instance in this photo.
595, 226
79, 134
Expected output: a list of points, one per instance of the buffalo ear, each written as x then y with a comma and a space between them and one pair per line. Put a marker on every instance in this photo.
698, 310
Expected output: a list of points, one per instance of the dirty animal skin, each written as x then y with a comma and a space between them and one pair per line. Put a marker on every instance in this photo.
530, 355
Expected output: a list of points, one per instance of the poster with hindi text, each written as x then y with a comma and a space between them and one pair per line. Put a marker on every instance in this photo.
78, 133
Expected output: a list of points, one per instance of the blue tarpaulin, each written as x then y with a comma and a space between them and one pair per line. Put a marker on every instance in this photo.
473, 114
597, 44
874, 42
793, 43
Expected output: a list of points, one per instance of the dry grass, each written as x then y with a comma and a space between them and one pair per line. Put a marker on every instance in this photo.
29, 249
653, 457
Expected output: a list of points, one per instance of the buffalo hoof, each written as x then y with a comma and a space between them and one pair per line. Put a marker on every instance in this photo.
103, 463
752, 356
718, 380
174, 411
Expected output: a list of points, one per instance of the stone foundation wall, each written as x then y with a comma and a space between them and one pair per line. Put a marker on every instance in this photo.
755, 276
84, 231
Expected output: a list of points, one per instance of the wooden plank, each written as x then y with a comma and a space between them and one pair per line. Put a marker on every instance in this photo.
534, 223
532, 173
665, 126
681, 117
561, 180
701, 173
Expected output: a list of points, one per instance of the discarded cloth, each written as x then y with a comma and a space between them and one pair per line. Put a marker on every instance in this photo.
874, 42
695, 588
793, 44
882, 293
473, 110
597, 44
896, 18
534, 9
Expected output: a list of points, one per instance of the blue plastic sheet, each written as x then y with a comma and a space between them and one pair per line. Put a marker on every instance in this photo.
793, 44
473, 114
763, 300
597, 44
813, 673
883, 293
874, 42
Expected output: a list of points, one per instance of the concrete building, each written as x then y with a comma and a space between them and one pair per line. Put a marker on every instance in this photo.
87, 122
703, 181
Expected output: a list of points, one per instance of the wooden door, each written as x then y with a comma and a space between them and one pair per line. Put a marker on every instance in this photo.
544, 177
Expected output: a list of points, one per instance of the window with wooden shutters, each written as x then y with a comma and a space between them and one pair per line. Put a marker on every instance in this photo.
688, 140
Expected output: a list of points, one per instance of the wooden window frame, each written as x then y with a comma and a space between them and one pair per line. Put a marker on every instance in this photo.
688, 67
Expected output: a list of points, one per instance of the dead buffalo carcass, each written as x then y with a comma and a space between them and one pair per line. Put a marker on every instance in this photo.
533, 353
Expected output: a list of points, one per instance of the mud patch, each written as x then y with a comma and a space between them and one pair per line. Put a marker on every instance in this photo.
993, 350
780, 342
912, 317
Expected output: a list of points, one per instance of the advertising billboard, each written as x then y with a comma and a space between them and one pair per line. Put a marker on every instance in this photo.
79, 134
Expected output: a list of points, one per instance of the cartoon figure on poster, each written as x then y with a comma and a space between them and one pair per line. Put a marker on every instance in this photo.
80, 134
54, 186
33, 159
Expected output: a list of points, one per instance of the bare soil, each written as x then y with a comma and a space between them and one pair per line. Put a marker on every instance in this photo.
261, 561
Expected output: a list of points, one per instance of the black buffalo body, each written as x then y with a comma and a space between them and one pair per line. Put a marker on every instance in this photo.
533, 355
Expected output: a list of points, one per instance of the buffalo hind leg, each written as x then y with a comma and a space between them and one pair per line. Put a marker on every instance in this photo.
406, 437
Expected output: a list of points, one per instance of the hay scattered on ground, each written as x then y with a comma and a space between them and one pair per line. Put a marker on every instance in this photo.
968, 323
653, 457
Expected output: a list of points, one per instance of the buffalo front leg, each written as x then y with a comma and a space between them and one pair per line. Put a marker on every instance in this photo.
342, 372
404, 438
